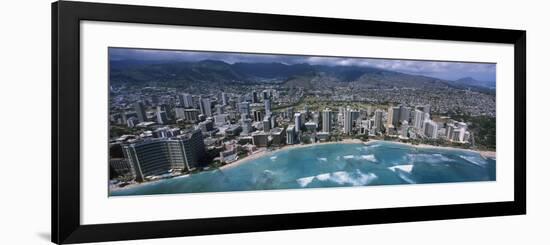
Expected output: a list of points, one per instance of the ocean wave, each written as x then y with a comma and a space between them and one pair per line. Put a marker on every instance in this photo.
324, 159
323, 177
406, 177
428, 158
405, 167
348, 157
474, 160
404, 172
356, 178
273, 158
370, 157
303, 182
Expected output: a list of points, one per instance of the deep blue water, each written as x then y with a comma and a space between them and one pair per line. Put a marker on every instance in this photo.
332, 165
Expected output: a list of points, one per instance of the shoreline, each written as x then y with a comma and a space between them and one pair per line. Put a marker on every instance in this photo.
485, 154
265, 152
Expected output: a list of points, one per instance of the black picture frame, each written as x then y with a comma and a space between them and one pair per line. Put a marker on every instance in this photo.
66, 17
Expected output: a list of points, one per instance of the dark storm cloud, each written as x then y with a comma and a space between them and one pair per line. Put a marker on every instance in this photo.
439, 69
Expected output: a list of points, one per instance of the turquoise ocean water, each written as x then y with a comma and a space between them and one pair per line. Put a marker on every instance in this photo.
332, 165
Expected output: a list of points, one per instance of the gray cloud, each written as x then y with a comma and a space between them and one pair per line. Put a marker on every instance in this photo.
440, 69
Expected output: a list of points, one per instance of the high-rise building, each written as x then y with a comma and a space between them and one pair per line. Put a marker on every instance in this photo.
457, 132
206, 107
311, 126
267, 105
277, 136
193, 146
260, 139
418, 119
158, 156
233, 130
206, 126
326, 120
140, 111
298, 121
221, 119
347, 122
154, 157
244, 108
255, 98
272, 120
449, 131
225, 99
162, 118
289, 113
404, 133
316, 117
258, 115
366, 126
290, 135
404, 114
186, 100
349, 118
430, 129
267, 123
121, 167
378, 115
191, 115
427, 108
155, 99
180, 112
132, 122
219, 109
393, 116
246, 125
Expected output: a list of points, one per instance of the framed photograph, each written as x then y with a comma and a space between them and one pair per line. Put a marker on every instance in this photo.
176, 122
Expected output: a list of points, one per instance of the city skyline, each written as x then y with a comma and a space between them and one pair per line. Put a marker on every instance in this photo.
210, 126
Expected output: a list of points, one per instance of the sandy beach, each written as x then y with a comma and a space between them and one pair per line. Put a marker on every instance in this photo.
485, 154
265, 152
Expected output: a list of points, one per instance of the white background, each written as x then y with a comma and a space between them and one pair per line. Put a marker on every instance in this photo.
98, 208
25, 94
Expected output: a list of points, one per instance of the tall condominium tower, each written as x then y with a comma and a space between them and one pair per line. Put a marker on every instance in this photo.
158, 156
326, 120
140, 111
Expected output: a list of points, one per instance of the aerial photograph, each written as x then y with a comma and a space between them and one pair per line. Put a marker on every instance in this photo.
185, 121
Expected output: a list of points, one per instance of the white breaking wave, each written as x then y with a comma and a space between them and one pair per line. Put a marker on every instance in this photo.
405, 167
404, 172
303, 182
428, 158
341, 177
273, 157
323, 177
371, 146
371, 158
324, 159
474, 160
348, 157
406, 178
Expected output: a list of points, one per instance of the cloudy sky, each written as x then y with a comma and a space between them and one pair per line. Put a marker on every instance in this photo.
438, 69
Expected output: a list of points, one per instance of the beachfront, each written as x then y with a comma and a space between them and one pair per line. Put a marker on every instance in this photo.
331, 164
264, 152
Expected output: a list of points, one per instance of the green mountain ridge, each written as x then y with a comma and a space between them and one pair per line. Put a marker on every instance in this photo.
219, 73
